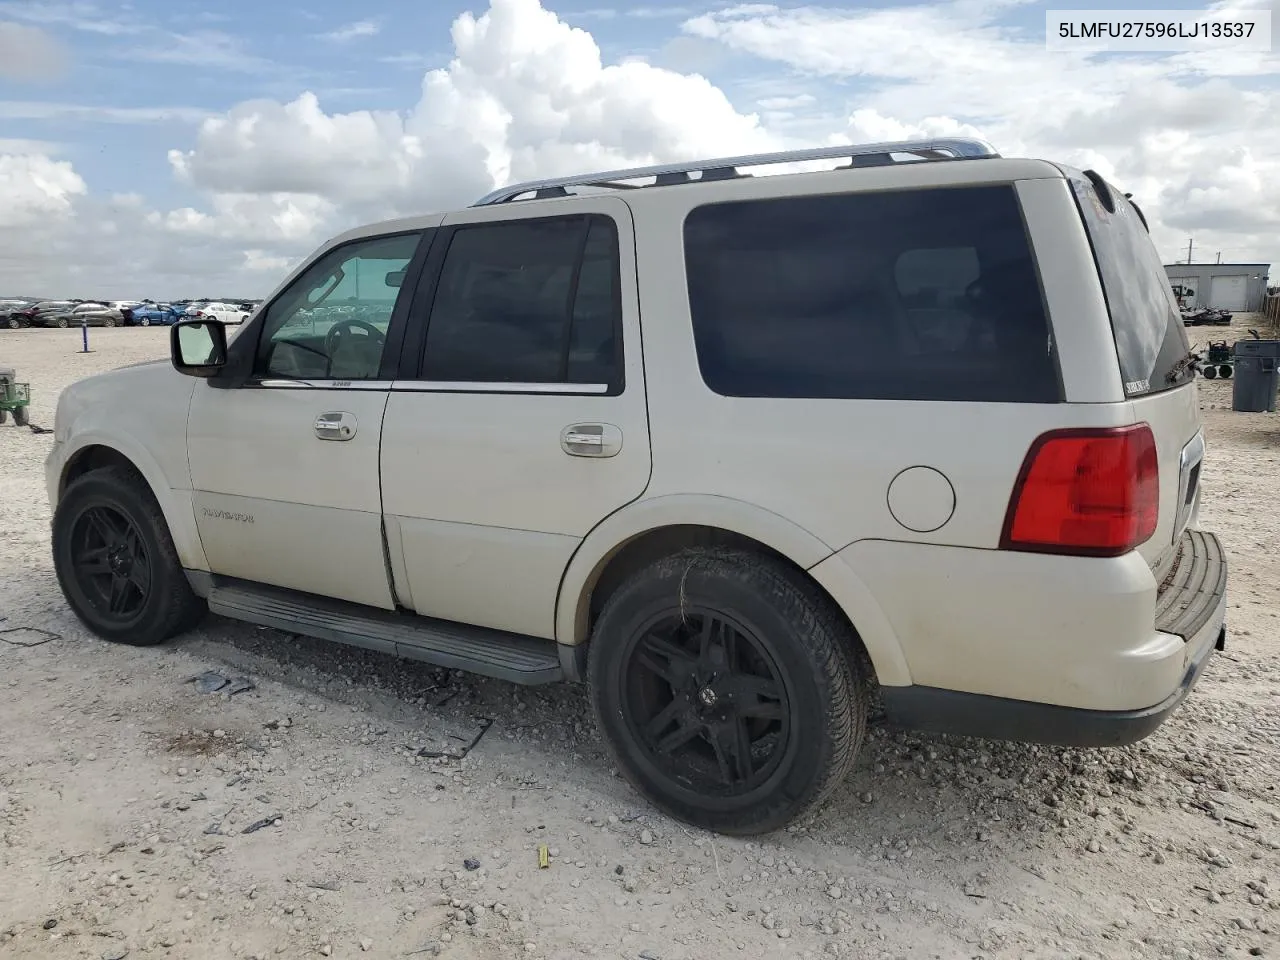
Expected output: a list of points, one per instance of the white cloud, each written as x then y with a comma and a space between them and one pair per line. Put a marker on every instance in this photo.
1192, 135
83, 113
525, 95
35, 187
353, 31
77, 15
28, 53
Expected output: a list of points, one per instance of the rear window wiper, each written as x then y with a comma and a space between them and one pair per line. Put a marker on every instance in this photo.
1190, 362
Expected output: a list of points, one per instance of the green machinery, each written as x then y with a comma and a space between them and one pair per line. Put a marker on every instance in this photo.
1218, 361
14, 397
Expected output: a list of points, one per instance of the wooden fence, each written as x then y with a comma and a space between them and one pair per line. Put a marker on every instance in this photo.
1271, 310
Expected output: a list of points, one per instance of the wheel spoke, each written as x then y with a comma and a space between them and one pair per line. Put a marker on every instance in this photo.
140, 576
119, 594
665, 659
93, 562
732, 745
101, 525
756, 697
663, 719
707, 638
682, 734
132, 542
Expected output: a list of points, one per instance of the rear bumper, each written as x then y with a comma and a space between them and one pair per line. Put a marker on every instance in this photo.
1191, 605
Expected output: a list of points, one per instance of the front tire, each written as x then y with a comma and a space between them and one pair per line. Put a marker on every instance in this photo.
116, 563
726, 687
21, 417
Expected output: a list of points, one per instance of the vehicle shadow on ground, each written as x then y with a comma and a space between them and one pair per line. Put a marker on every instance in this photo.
907, 790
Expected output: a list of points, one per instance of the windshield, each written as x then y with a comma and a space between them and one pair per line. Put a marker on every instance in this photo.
1151, 342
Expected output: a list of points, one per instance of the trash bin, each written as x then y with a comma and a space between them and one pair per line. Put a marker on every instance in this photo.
1257, 377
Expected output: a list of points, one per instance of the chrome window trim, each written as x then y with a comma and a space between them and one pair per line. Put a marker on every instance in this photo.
497, 386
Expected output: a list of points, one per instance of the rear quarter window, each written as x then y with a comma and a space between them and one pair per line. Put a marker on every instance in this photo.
898, 295
1151, 342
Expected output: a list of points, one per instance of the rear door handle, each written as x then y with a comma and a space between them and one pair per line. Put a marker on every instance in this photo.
591, 440
336, 425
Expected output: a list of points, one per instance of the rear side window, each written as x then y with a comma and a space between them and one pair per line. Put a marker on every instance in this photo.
528, 301
1151, 343
901, 295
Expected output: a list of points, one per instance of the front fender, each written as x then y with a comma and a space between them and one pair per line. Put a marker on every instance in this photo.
175, 502
774, 531
140, 412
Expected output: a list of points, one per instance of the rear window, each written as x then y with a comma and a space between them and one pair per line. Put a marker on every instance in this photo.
1151, 342
898, 295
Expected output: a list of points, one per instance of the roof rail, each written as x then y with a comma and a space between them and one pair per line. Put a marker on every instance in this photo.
725, 168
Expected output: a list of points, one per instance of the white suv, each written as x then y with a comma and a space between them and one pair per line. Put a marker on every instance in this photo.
741, 451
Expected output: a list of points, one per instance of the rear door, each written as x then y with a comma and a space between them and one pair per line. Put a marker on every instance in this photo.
1152, 349
519, 420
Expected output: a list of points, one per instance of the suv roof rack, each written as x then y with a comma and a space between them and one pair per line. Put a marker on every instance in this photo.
726, 168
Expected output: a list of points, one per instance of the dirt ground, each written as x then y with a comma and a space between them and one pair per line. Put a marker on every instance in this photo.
128, 797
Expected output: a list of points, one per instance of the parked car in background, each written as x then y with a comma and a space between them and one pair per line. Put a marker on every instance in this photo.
13, 312
40, 314
148, 314
216, 310
90, 314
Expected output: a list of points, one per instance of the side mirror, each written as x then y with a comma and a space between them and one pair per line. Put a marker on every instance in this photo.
198, 348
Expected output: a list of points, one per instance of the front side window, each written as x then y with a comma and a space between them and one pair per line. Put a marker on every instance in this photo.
928, 294
528, 301
331, 322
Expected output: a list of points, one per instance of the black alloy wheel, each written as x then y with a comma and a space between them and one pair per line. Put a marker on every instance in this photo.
111, 564
728, 687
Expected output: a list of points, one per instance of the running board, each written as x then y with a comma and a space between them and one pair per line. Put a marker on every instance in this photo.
490, 653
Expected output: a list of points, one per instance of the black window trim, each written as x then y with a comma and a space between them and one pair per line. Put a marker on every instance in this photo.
1091, 179
242, 352
1054, 355
409, 374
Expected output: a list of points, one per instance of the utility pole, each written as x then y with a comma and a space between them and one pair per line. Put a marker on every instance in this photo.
1219, 256
1190, 241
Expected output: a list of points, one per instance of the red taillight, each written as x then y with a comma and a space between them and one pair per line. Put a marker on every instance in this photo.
1091, 492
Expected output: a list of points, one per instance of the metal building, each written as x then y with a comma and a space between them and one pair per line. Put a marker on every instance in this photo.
1238, 287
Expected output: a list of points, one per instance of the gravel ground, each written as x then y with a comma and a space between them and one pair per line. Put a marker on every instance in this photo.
128, 798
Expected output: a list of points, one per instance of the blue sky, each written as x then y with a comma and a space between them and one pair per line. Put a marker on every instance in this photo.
126, 120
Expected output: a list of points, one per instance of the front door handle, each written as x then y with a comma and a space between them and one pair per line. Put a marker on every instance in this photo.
591, 440
336, 425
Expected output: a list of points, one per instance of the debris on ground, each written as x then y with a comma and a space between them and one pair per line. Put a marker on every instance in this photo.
213, 682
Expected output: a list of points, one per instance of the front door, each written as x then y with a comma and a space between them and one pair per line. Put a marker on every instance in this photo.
284, 469
523, 424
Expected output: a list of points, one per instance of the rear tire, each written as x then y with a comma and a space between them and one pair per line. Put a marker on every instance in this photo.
116, 562
1225, 371
1209, 373
726, 687
62, 322
21, 417
4, 415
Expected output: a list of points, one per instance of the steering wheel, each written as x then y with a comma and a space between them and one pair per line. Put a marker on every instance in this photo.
343, 328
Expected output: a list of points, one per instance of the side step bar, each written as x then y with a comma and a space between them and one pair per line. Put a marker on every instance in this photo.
490, 653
